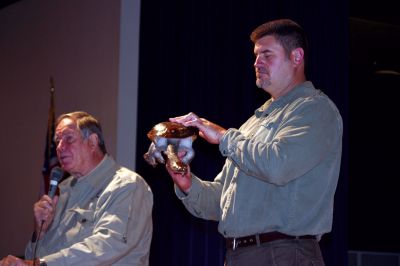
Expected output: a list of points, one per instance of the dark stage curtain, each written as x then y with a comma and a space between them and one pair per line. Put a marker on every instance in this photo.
197, 56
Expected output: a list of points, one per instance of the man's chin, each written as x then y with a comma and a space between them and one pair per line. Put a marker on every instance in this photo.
262, 84
66, 167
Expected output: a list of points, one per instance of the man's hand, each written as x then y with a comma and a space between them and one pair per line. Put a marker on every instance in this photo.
44, 211
209, 131
182, 180
11, 260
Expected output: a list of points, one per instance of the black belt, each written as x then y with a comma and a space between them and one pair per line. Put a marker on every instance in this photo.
238, 242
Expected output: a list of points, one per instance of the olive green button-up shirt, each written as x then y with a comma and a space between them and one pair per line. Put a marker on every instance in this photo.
281, 170
104, 218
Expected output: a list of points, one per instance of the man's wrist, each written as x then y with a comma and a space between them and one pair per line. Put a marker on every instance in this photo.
42, 262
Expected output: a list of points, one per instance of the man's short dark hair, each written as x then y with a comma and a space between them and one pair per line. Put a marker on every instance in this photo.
287, 32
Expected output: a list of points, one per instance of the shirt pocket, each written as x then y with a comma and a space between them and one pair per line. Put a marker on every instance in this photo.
84, 223
265, 131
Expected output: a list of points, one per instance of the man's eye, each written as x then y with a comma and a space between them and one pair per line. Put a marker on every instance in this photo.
69, 139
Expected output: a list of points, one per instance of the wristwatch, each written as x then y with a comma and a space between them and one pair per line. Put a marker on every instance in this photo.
42, 262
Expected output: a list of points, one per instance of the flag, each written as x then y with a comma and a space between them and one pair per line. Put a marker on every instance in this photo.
50, 154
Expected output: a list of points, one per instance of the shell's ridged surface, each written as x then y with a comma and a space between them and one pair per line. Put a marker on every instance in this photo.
172, 130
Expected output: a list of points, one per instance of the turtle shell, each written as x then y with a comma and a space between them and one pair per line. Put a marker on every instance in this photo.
172, 130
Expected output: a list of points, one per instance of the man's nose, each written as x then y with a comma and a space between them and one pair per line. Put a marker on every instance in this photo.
60, 145
257, 62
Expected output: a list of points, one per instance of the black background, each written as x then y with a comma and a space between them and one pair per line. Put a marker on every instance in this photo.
373, 190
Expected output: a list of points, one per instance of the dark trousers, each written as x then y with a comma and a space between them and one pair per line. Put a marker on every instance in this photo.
287, 252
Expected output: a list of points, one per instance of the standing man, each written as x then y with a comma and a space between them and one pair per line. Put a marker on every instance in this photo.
274, 196
103, 215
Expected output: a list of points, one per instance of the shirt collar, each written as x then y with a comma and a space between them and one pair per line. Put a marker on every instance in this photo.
96, 176
301, 90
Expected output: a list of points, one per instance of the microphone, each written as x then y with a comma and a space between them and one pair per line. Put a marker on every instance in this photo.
55, 176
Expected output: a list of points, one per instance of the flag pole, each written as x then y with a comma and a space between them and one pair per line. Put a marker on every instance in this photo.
51, 119
50, 155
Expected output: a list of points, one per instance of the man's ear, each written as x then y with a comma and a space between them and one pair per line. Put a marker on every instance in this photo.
93, 140
297, 55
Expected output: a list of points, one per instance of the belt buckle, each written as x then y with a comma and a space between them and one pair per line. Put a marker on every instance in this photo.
234, 244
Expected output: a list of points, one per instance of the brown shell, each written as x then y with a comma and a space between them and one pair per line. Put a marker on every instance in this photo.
172, 130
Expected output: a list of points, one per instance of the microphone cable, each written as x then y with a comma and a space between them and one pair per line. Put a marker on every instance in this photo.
37, 244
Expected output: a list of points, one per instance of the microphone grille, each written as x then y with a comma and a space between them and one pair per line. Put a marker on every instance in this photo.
56, 173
